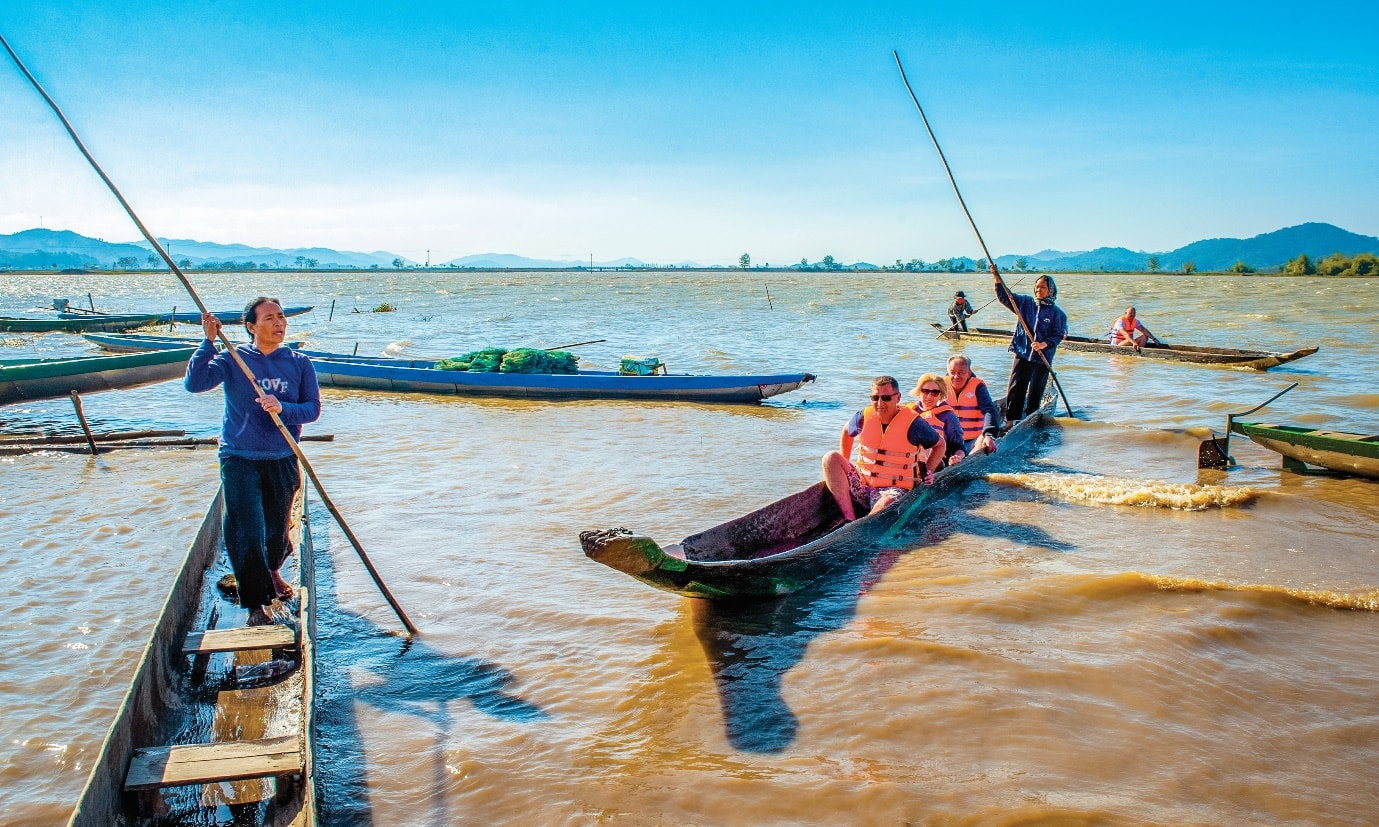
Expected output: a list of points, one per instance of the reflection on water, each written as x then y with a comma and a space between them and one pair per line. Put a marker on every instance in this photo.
1027, 653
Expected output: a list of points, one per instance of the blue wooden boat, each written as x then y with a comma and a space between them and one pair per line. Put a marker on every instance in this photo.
28, 380
225, 316
146, 343
79, 324
785, 546
420, 376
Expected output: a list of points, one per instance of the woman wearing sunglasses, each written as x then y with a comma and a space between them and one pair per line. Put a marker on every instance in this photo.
933, 407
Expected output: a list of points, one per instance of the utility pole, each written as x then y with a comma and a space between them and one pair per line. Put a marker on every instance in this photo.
428, 259
591, 262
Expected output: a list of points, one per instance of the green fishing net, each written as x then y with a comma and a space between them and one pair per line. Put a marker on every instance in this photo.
518, 360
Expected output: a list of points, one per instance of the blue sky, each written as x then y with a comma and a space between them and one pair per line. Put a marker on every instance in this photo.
696, 133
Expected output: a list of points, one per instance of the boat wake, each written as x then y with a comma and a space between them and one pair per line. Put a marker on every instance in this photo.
1361, 602
1090, 488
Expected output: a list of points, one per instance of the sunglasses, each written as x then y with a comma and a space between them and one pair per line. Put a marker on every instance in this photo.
930, 391
883, 397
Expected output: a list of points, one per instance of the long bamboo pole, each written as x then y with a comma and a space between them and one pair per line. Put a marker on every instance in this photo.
229, 346
995, 271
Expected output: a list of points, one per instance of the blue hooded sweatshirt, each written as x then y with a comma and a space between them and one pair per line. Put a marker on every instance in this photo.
248, 431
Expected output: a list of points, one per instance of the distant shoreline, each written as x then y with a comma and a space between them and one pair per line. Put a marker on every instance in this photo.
719, 270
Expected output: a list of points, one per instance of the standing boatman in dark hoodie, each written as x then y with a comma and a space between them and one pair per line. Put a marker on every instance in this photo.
258, 469
1029, 375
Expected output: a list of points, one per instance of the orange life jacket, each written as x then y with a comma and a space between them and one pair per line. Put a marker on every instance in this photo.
886, 458
1130, 324
964, 404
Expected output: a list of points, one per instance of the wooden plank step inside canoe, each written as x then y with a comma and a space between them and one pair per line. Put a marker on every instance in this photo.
242, 639
157, 767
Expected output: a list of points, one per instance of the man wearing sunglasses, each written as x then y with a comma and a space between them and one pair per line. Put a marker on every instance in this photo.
893, 453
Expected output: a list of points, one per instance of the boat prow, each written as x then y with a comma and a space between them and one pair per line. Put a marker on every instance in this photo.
1338, 451
784, 546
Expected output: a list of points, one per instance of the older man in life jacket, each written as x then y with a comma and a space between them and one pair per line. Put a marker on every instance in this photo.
897, 449
972, 402
1128, 331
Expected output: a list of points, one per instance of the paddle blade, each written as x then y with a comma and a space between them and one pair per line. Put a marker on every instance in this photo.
1212, 453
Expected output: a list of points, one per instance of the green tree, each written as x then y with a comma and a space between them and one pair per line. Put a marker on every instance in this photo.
1189, 268
1241, 267
1364, 264
1021, 264
397, 262
1153, 264
804, 264
829, 264
745, 262
127, 263
981, 264
312, 264
1300, 266
152, 261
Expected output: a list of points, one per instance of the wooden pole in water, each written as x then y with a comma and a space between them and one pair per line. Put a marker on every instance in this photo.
229, 346
81, 417
995, 271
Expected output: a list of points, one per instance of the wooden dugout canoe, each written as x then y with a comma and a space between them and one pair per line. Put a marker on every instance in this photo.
234, 740
1192, 354
80, 324
28, 380
420, 376
225, 316
1345, 453
783, 547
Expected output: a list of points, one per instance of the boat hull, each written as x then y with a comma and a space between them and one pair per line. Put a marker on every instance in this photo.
1343, 453
1190, 354
225, 316
419, 376
162, 704
81, 324
33, 380
787, 545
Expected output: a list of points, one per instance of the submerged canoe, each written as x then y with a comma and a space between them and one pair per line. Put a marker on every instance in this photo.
783, 547
1198, 355
80, 324
1338, 451
28, 380
225, 316
420, 376
237, 702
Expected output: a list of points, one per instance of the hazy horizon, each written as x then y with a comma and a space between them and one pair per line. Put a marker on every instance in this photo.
690, 134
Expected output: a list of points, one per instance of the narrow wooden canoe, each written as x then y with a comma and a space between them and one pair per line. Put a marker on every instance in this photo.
1345, 453
783, 547
226, 316
247, 743
81, 324
28, 380
420, 376
1220, 356
145, 343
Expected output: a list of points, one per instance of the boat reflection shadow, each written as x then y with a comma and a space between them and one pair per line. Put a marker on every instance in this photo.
410, 677
750, 646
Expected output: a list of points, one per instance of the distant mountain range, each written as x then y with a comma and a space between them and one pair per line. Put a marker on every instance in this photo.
42, 249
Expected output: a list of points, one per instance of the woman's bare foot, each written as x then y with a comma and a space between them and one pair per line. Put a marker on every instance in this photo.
280, 587
258, 616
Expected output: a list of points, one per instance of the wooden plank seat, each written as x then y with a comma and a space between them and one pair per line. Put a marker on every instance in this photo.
241, 639
153, 768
